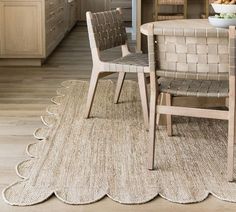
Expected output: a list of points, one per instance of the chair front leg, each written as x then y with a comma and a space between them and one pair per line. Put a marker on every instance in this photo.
91, 92
169, 117
119, 86
144, 100
154, 92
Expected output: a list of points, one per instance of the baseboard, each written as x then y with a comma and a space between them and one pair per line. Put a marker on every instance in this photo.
20, 62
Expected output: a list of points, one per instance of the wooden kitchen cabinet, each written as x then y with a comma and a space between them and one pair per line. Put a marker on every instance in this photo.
72, 16
21, 29
55, 24
93, 6
31, 29
102, 5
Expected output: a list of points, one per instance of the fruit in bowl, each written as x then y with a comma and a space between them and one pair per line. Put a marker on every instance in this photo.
225, 2
224, 6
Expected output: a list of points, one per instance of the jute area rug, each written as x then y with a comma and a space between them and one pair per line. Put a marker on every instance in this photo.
81, 161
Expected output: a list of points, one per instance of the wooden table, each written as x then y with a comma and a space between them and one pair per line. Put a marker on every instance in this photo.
187, 28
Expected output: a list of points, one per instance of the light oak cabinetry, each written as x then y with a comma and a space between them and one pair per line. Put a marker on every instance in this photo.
31, 29
55, 23
72, 14
93, 6
21, 29
102, 5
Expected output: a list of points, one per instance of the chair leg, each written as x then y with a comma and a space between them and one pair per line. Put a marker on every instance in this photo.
169, 117
152, 117
158, 114
119, 86
143, 93
231, 140
91, 92
227, 102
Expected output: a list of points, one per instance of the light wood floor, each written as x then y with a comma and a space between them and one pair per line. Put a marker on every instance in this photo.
24, 95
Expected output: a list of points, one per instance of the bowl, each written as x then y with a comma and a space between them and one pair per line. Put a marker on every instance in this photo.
221, 23
224, 8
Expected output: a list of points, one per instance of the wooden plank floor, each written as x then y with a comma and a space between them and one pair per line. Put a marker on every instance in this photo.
24, 94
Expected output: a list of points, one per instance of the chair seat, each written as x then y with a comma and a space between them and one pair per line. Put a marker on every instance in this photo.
197, 88
134, 62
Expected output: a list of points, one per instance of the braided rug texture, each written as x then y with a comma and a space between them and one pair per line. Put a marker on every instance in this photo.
81, 161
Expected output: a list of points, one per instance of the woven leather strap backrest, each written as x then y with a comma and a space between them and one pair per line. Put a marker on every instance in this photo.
192, 49
193, 57
107, 29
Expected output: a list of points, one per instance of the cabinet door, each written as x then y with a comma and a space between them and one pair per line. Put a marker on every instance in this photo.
72, 14
93, 6
21, 29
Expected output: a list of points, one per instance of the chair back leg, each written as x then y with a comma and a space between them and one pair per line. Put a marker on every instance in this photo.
160, 102
119, 86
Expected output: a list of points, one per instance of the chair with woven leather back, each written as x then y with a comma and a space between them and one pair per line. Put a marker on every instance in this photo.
196, 60
107, 30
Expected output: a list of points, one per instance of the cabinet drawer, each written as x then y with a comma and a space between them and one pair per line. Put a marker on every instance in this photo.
61, 2
54, 34
52, 24
50, 31
50, 4
121, 3
72, 15
61, 29
60, 10
50, 15
54, 15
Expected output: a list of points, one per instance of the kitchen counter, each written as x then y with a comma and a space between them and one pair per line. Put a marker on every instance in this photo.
31, 29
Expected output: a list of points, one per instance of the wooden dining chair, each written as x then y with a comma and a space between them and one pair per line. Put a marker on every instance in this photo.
107, 30
196, 85
160, 15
